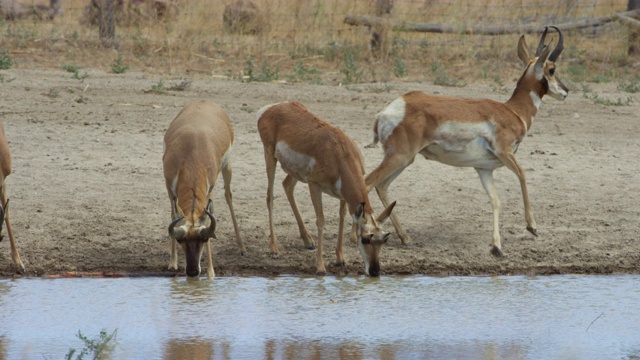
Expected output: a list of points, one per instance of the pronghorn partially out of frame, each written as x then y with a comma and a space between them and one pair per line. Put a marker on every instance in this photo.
313, 151
197, 147
5, 170
479, 133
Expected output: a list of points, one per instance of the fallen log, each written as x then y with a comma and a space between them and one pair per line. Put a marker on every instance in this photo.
400, 25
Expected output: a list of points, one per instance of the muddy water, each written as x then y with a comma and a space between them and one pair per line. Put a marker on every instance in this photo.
559, 317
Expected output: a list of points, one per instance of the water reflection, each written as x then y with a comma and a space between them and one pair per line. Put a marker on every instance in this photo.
327, 318
195, 348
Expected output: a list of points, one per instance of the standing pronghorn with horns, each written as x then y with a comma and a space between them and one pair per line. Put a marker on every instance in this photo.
479, 133
197, 147
313, 151
5, 170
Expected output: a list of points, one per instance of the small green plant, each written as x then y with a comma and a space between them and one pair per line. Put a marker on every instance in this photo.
399, 68
302, 73
6, 60
71, 68
78, 76
159, 87
4, 79
607, 102
632, 86
352, 74
101, 347
118, 67
181, 85
267, 72
442, 78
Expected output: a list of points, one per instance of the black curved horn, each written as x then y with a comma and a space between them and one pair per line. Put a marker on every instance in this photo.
541, 43
172, 227
556, 52
210, 232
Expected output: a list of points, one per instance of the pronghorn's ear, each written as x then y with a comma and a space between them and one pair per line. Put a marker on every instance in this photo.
176, 208
359, 211
542, 59
523, 53
386, 213
210, 206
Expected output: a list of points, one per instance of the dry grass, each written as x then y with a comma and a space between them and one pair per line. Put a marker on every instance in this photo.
309, 37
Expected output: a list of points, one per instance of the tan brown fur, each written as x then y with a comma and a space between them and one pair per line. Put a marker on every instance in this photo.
195, 144
5, 170
336, 159
480, 133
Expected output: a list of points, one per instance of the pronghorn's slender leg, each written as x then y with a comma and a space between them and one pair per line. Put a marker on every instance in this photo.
510, 162
210, 272
173, 244
316, 199
271, 161
15, 256
289, 185
380, 178
339, 255
226, 176
486, 177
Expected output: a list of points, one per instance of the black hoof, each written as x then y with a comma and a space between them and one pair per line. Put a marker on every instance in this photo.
321, 273
274, 255
533, 231
310, 247
496, 251
408, 244
341, 264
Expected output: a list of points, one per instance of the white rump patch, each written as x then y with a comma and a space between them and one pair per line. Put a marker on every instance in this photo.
390, 117
294, 163
263, 109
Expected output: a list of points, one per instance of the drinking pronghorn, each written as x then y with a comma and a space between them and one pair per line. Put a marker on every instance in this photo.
479, 133
5, 170
197, 146
313, 151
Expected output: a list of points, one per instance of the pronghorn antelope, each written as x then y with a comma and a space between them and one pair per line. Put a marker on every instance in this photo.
313, 151
5, 170
479, 133
196, 148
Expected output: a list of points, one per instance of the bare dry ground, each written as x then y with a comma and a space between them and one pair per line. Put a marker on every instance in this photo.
87, 191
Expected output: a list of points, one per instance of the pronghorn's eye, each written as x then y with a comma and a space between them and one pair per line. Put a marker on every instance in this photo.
552, 71
366, 239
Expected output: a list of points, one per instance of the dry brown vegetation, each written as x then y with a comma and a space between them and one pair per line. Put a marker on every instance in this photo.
307, 40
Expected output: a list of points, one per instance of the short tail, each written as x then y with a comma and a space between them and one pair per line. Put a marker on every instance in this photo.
376, 138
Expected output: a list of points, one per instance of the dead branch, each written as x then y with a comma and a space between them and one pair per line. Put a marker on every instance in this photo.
400, 25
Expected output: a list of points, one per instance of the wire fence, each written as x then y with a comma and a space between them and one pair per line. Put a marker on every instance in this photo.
196, 35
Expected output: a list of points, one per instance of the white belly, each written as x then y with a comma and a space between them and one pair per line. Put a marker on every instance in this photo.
476, 153
294, 163
302, 167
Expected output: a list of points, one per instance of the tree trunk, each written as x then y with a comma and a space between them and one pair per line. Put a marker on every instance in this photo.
107, 22
634, 35
380, 42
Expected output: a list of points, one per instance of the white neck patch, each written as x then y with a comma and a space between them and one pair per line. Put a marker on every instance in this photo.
536, 99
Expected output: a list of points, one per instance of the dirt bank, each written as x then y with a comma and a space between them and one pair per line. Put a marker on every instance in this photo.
87, 191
